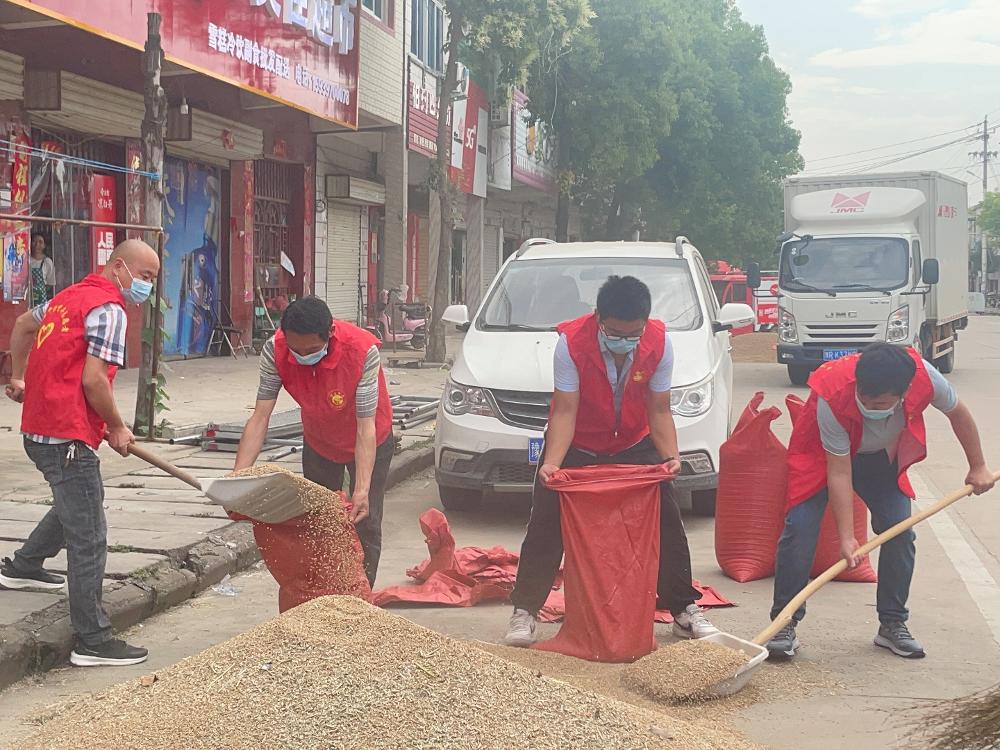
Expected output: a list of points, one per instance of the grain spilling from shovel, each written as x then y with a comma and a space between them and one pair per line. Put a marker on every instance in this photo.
338, 673
683, 671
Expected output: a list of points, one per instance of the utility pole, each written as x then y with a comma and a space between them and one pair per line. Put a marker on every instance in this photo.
154, 128
984, 241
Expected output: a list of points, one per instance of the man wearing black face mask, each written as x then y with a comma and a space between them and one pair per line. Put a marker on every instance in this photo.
860, 430
333, 371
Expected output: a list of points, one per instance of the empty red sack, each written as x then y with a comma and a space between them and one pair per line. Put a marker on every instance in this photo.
611, 536
750, 501
828, 545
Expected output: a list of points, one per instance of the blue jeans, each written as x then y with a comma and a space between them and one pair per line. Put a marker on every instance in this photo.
875, 481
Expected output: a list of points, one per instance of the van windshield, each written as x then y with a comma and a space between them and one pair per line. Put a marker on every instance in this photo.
538, 295
843, 264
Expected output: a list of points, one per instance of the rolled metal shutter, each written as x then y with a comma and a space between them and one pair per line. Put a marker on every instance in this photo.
11, 76
491, 256
343, 261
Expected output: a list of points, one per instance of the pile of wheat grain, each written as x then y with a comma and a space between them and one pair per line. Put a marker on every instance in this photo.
682, 671
339, 673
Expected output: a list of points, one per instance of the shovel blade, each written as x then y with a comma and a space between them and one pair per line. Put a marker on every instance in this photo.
271, 498
756, 655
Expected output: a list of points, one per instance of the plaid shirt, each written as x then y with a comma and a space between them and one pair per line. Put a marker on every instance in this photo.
105, 329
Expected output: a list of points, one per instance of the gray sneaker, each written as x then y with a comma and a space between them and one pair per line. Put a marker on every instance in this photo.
896, 637
784, 645
521, 631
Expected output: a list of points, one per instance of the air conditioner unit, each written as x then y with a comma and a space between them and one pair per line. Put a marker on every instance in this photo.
499, 115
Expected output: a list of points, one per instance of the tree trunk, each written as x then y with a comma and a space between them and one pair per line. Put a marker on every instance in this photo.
613, 224
154, 126
441, 182
562, 216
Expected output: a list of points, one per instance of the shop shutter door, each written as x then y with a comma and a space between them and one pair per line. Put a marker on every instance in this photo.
491, 256
343, 261
11, 76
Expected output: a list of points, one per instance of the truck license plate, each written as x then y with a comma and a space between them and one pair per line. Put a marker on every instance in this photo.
535, 450
831, 354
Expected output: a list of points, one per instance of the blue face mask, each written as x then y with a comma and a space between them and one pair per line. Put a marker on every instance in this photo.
617, 346
139, 291
310, 360
876, 414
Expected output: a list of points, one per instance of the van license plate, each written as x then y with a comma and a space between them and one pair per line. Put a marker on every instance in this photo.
831, 354
535, 450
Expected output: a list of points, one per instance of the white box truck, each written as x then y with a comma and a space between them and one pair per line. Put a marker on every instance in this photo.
865, 258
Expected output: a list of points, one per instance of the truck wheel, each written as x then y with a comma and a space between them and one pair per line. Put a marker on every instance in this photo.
454, 498
946, 363
703, 502
799, 374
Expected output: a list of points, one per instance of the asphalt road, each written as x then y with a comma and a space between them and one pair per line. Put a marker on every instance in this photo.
840, 691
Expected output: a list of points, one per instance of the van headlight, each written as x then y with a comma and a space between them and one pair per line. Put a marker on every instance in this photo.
788, 332
463, 399
693, 400
899, 325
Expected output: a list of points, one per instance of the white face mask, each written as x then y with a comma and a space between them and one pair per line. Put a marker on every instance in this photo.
876, 414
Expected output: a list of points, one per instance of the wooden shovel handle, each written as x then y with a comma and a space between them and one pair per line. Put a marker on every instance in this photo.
151, 458
834, 570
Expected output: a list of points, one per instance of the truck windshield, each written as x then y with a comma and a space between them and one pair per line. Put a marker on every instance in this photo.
832, 264
538, 295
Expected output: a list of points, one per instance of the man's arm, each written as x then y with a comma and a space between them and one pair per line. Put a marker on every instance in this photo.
22, 338
662, 429
559, 433
840, 486
97, 390
964, 427
254, 434
364, 463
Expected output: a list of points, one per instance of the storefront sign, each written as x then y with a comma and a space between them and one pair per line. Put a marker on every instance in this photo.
423, 112
303, 53
20, 173
15, 261
534, 162
103, 207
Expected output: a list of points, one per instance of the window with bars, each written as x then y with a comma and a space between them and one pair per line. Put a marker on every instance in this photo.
427, 34
378, 8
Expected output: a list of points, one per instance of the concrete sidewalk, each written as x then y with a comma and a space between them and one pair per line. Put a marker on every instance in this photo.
166, 541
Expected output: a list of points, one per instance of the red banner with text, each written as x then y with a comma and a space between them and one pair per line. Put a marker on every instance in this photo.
103, 207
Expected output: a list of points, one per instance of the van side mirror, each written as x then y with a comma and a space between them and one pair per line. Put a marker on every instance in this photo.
753, 275
931, 272
457, 315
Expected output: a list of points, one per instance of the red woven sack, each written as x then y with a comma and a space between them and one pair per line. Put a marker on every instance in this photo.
828, 545
306, 558
611, 535
750, 501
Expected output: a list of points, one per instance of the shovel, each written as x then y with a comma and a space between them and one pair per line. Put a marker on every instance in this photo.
755, 651
271, 498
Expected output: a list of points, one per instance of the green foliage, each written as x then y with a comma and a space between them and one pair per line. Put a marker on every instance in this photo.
156, 387
989, 217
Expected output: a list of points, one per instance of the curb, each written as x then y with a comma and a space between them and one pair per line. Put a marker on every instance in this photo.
45, 638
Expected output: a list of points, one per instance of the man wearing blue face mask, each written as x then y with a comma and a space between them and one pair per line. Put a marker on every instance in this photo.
611, 405
65, 354
860, 430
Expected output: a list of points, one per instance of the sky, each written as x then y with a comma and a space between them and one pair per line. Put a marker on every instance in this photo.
867, 74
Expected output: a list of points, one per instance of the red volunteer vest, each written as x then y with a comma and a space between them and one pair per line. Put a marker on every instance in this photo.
54, 402
598, 430
326, 392
836, 382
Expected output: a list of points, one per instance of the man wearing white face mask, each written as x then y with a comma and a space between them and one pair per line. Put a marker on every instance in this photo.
860, 430
333, 371
76, 343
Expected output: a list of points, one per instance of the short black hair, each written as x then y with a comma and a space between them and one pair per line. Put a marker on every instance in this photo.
307, 315
884, 368
624, 298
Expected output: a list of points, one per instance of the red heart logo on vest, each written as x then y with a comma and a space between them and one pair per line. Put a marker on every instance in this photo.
43, 333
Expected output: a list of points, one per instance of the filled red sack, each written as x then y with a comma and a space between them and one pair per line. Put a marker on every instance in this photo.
828, 545
611, 536
312, 555
750, 500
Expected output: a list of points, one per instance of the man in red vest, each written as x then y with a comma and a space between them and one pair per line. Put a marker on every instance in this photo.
76, 343
619, 364
860, 430
333, 371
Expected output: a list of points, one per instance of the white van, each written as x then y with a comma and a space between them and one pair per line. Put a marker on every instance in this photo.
496, 401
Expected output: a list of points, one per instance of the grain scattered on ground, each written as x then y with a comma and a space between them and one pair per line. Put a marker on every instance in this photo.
756, 347
338, 673
683, 671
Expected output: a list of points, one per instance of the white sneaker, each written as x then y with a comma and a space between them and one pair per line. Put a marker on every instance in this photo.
692, 623
521, 630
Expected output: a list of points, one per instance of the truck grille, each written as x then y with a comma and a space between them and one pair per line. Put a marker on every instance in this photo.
523, 408
859, 332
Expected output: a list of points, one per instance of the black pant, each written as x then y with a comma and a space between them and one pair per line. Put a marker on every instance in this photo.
542, 550
331, 475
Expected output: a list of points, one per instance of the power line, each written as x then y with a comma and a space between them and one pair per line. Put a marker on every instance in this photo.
911, 155
893, 145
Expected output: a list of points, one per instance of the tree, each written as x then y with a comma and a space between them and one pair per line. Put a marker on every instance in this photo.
498, 39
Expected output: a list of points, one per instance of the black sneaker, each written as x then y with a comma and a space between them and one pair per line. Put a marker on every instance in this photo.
896, 637
14, 578
784, 645
113, 653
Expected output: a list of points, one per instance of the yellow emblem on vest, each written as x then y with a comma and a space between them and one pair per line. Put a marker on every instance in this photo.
337, 400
